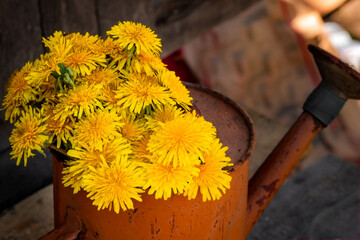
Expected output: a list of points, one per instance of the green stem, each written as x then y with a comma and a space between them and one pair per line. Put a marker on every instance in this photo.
62, 151
129, 58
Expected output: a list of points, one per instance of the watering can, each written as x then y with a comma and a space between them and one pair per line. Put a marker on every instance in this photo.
234, 215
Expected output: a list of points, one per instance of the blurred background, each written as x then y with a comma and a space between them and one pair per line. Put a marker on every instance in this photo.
254, 52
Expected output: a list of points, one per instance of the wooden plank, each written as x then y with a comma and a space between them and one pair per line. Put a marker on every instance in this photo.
176, 22
111, 12
320, 202
29, 219
19, 182
20, 37
20, 41
69, 16
190, 20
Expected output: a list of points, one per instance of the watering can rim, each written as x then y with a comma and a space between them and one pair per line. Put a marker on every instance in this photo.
246, 117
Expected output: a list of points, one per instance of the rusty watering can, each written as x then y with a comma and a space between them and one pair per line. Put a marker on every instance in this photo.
234, 215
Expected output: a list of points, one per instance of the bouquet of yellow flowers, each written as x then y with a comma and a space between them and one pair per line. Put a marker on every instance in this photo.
124, 121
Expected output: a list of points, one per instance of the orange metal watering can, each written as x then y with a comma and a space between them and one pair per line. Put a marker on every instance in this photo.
233, 216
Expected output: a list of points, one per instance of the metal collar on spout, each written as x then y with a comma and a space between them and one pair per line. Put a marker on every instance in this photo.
324, 103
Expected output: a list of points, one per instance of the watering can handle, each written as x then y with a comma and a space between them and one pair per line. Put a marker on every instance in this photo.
68, 231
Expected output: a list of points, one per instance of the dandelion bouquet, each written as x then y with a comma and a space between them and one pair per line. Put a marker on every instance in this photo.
124, 121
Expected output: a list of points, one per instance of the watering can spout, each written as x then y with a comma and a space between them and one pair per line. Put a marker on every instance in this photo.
339, 83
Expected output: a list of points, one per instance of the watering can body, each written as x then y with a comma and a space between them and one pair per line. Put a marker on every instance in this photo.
176, 217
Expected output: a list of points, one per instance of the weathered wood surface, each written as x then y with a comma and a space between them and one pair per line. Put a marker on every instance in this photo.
320, 202
20, 37
29, 219
20, 41
69, 16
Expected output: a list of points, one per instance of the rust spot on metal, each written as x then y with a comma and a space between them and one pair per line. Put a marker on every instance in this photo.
172, 223
152, 228
215, 223
260, 201
197, 110
131, 214
317, 124
249, 207
270, 187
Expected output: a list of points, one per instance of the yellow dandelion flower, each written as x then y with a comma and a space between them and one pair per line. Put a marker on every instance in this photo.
77, 101
84, 157
83, 41
141, 154
46, 90
109, 151
132, 129
181, 141
178, 91
97, 128
59, 47
147, 63
162, 115
71, 178
129, 34
53, 39
28, 135
108, 46
61, 131
123, 119
42, 69
19, 93
212, 179
141, 91
114, 185
109, 99
106, 76
118, 60
84, 62
163, 180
